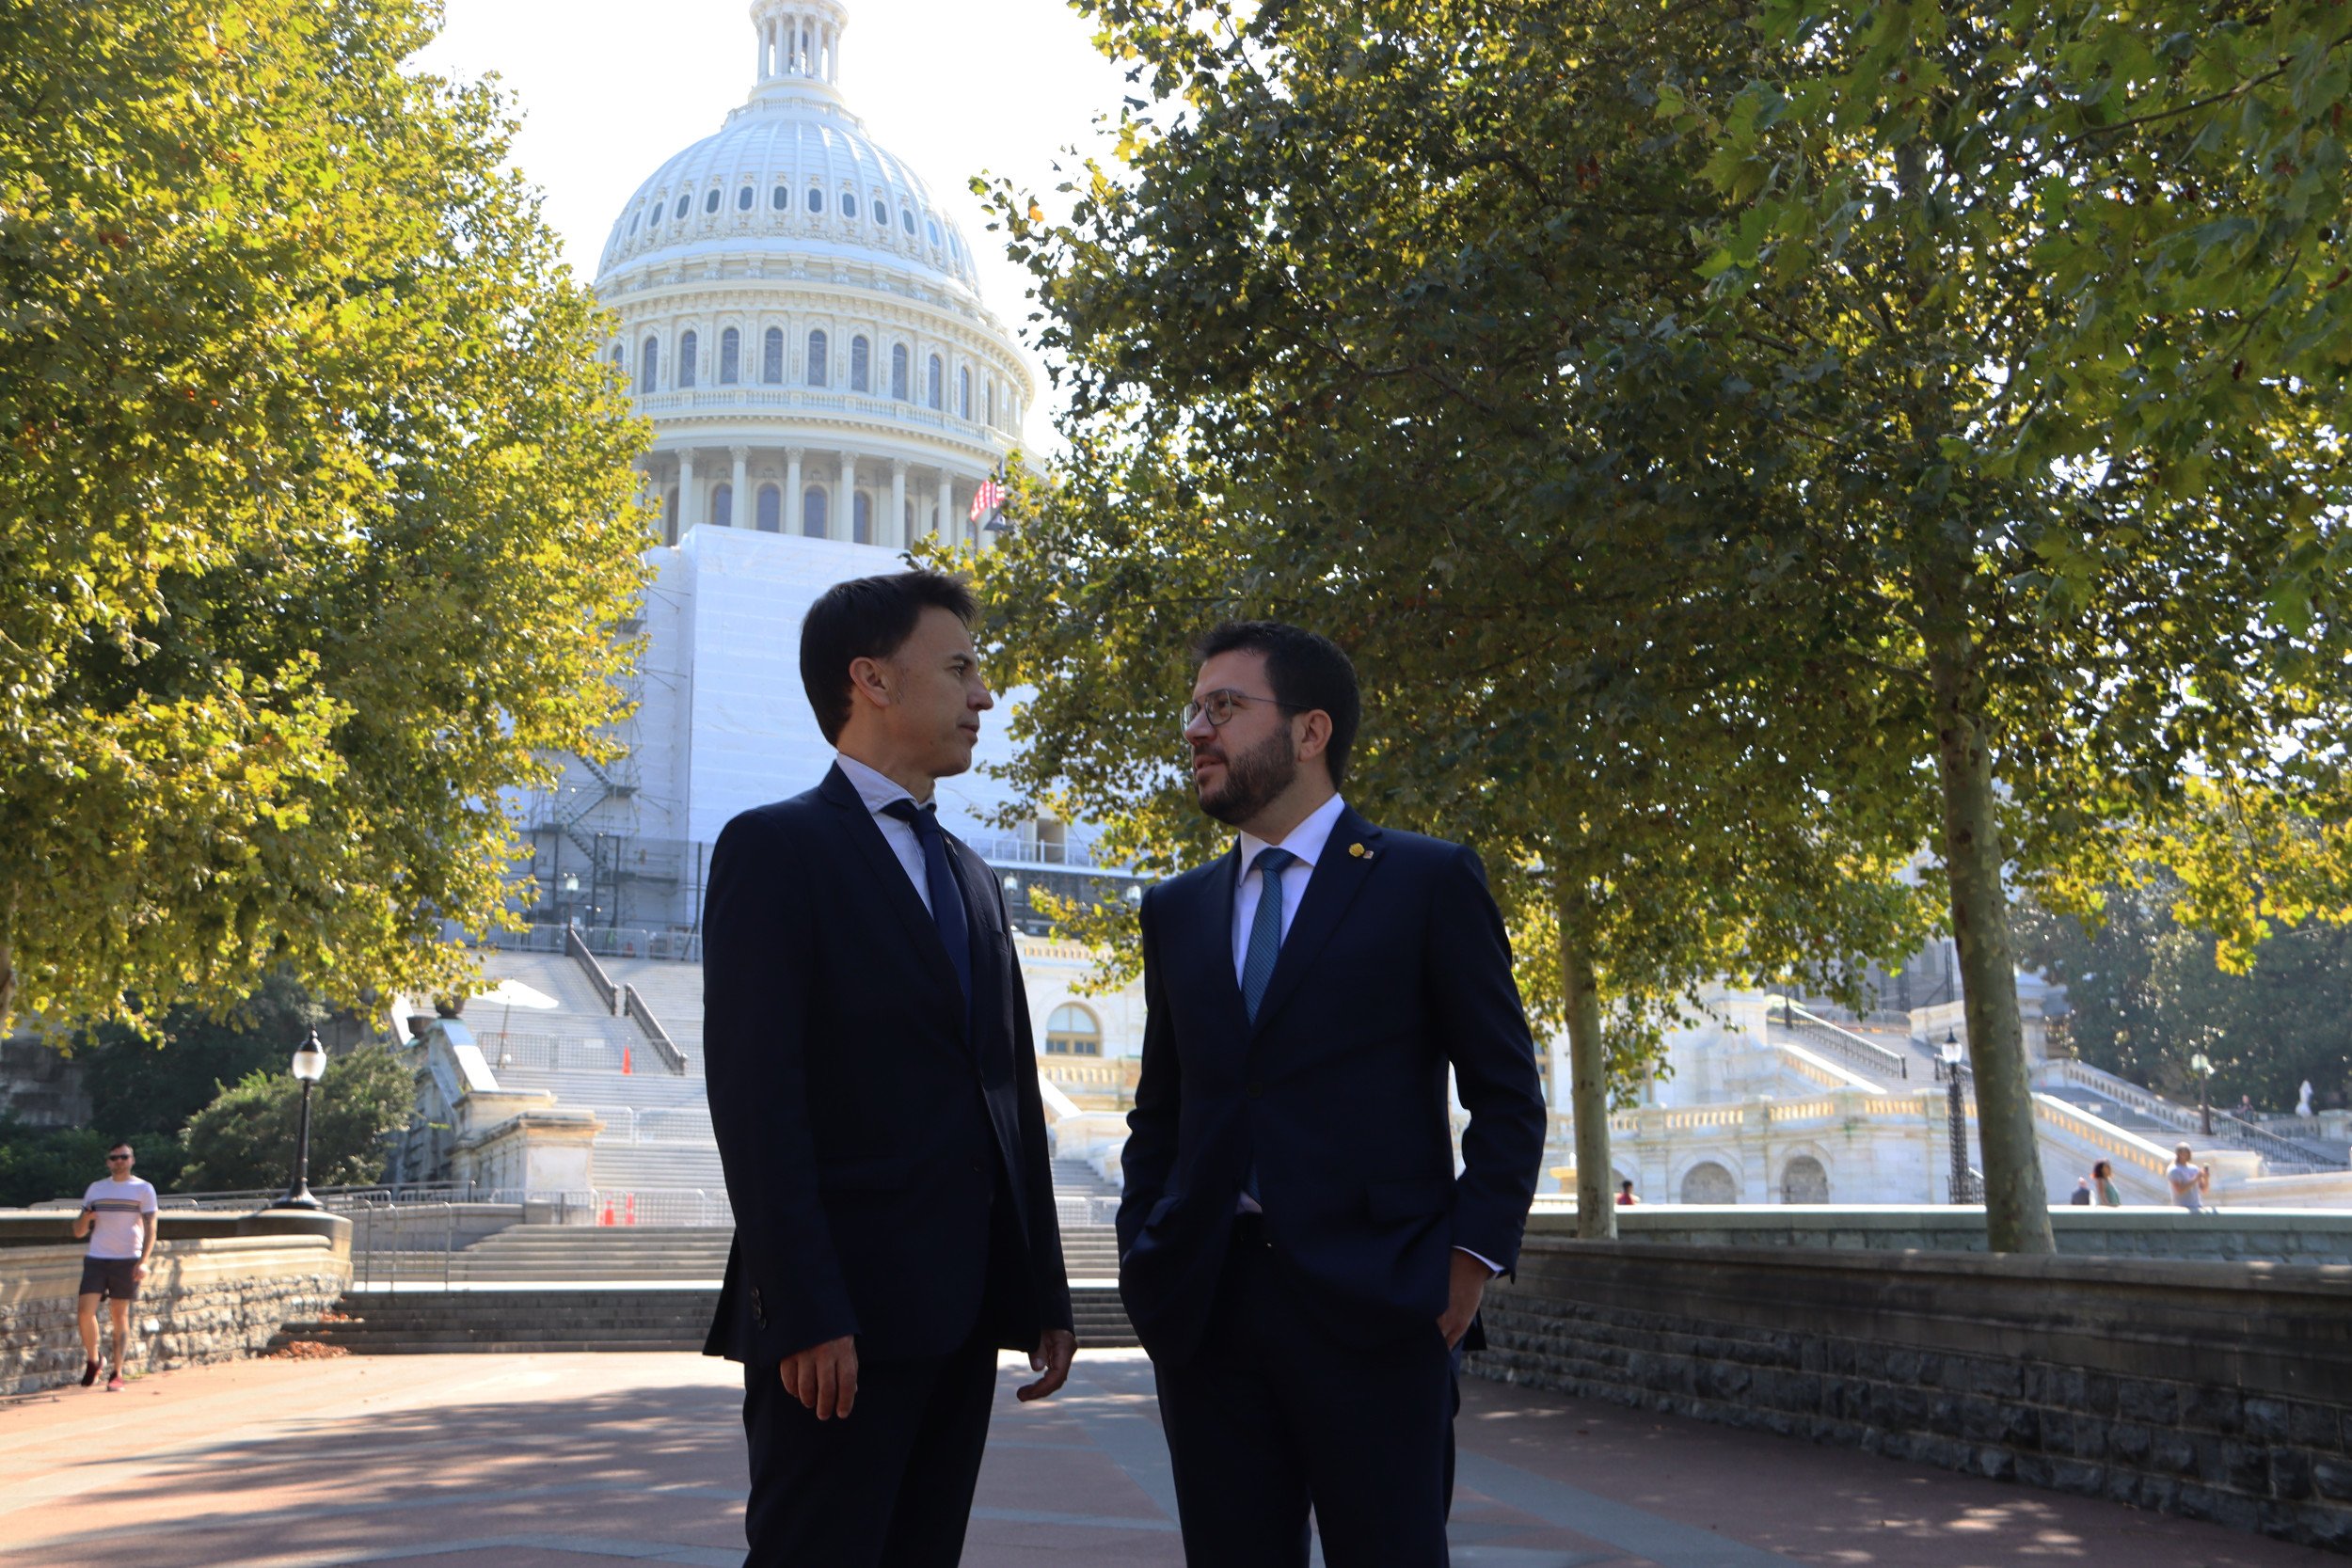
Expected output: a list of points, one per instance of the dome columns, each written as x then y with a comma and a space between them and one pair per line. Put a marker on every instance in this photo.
844, 516
800, 40
946, 505
739, 498
792, 501
898, 528
690, 509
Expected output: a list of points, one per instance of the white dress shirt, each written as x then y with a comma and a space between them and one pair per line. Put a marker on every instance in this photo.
879, 790
1306, 841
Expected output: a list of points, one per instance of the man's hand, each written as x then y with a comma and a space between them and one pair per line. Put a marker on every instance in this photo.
139, 1272
823, 1377
1055, 1347
1463, 1290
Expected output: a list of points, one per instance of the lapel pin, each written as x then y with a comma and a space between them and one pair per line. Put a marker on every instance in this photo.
1360, 851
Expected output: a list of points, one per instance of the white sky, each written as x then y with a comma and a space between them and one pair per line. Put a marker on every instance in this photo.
607, 89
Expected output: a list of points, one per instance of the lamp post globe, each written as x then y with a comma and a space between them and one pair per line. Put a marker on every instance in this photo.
2201, 1065
308, 1066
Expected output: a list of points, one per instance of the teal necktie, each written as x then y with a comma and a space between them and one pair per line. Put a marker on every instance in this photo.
1265, 929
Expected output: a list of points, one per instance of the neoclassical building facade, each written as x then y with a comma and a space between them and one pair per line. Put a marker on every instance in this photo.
802, 323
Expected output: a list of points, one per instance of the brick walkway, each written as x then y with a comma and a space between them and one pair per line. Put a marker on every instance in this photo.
561, 1461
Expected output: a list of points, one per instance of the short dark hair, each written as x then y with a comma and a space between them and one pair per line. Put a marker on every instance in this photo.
1306, 670
868, 618
119, 1143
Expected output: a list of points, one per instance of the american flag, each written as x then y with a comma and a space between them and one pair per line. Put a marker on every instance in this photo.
987, 499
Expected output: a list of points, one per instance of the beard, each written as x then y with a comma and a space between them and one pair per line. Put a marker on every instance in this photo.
1252, 779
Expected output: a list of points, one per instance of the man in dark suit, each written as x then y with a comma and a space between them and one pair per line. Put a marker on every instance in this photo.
1297, 1251
874, 1089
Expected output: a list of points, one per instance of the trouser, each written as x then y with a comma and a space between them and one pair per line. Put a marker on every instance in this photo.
888, 1487
1272, 1418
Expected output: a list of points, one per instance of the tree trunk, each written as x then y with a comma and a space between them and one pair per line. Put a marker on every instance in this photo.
2016, 1200
1588, 1073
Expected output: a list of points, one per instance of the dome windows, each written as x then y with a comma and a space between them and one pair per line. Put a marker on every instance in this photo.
897, 371
685, 347
817, 354
731, 357
771, 509
771, 356
683, 204
816, 200
882, 212
743, 199
862, 519
931, 390
780, 198
723, 506
906, 220
932, 224
634, 219
849, 205
649, 365
861, 364
710, 202
963, 381
992, 402
812, 511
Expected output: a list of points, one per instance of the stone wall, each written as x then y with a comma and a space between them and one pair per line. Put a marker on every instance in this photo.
2276, 1235
2216, 1390
218, 1288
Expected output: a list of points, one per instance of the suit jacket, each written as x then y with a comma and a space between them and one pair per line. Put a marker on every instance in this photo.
1395, 967
885, 1148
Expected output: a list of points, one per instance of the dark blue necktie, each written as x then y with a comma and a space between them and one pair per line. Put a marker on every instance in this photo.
1265, 929
955, 934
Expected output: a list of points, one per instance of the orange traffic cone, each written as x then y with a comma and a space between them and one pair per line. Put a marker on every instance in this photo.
608, 1212
632, 1210
624, 1058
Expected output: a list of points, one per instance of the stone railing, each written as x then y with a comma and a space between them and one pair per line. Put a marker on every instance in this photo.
2216, 1390
2235, 1235
633, 1003
218, 1288
578, 948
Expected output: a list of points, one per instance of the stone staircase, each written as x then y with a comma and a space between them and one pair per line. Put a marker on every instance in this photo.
426, 1321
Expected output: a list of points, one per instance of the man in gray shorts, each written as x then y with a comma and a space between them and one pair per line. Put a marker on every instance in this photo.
119, 1216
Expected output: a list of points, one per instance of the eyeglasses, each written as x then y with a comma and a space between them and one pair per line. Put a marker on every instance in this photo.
1222, 705
111, 1158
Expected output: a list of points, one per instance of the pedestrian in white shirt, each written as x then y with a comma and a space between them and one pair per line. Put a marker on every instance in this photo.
2190, 1182
118, 1217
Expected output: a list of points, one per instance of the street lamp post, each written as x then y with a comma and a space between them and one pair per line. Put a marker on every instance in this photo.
1962, 1187
2201, 1065
309, 1065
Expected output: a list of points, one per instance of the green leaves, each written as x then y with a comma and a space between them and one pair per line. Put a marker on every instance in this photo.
316, 518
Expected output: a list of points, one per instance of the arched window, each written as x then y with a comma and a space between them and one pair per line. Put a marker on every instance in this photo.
731, 359
619, 356
772, 356
816, 199
669, 518
964, 394
897, 371
771, 509
710, 202
1803, 1180
634, 219
862, 518
683, 202
932, 386
906, 220
929, 224
817, 358
648, 364
723, 506
685, 347
1708, 1182
780, 200
849, 205
861, 364
813, 521
992, 402
882, 212
743, 199
1071, 1031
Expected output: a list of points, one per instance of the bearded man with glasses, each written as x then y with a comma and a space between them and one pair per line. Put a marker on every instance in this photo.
1297, 1252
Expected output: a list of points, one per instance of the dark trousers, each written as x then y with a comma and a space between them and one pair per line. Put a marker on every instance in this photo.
889, 1487
1271, 1417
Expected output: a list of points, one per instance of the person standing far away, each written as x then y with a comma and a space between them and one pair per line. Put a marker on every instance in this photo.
2081, 1199
874, 1089
1295, 1251
2189, 1183
118, 1217
2103, 1185
1625, 1195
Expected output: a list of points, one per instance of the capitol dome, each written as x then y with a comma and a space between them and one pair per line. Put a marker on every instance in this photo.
801, 322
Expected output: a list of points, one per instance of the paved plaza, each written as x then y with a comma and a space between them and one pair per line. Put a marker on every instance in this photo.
564, 1460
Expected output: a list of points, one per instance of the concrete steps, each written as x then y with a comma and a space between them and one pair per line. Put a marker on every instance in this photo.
438, 1322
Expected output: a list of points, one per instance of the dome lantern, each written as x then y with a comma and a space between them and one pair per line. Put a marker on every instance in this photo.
799, 43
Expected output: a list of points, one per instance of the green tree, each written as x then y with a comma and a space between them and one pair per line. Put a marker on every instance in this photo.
317, 520
38, 1164
246, 1138
150, 1085
2047, 297
1374, 331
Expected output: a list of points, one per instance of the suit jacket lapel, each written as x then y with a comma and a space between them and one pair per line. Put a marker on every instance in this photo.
989, 941
1224, 986
890, 877
1338, 876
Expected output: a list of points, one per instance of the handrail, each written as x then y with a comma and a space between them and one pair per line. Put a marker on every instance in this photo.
1869, 1053
2187, 1119
634, 1004
597, 977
